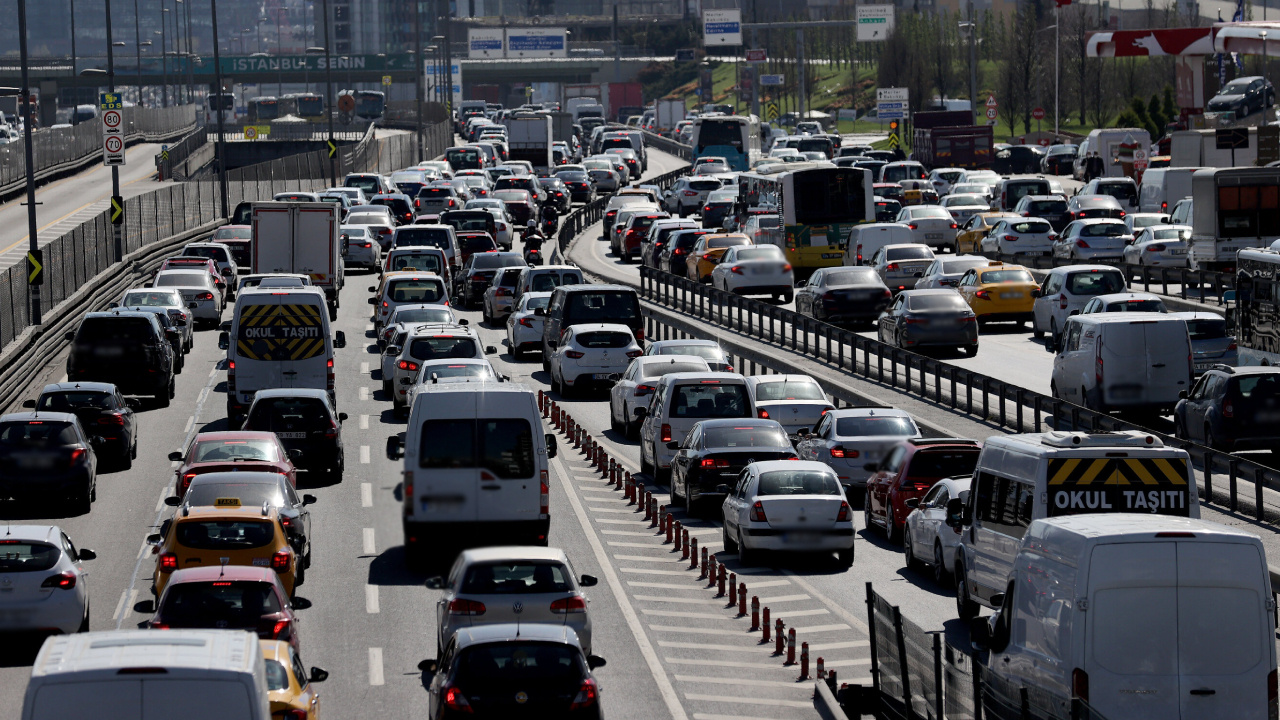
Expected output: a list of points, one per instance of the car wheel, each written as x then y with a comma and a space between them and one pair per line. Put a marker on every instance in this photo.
746, 557
971, 351
845, 557
788, 297
966, 608
866, 510
908, 553
690, 508
484, 314
891, 529
300, 575
1053, 330
1213, 442
939, 567
1179, 429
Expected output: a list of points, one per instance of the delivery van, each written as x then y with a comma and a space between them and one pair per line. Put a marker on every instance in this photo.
1144, 617
281, 340
1021, 478
865, 240
132, 674
1162, 188
1123, 361
475, 468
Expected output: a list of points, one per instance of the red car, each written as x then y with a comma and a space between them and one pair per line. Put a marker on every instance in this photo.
240, 239
908, 471
238, 451
187, 263
235, 597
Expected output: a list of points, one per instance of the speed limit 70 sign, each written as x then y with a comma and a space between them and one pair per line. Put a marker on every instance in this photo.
112, 137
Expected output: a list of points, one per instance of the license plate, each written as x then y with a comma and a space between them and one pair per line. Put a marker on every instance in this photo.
36, 463
262, 562
601, 376
109, 352
800, 538
1267, 417
933, 236
440, 504
1039, 253
1204, 365
1010, 295
16, 617
292, 435
836, 256
1177, 252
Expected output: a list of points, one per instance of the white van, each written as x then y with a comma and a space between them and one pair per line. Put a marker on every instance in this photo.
1106, 143
865, 240
1143, 617
546, 278
282, 340
1162, 188
132, 674
475, 468
1122, 361
1021, 478
678, 403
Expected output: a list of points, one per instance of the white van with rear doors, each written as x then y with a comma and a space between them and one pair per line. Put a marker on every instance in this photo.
476, 468
1143, 617
1122, 361
865, 240
1022, 478
278, 338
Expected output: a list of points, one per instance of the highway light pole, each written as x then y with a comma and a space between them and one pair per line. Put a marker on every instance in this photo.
117, 235
32, 234
220, 147
164, 55
137, 44
328, 81
420, 61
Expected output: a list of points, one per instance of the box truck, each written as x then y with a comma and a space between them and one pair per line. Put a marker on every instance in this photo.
668, 113
529, 137
1235, 208
303, 238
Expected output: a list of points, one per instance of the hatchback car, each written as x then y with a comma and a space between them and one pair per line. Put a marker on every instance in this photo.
708, 350
1092, 239
755, 270
797, 402
1124, 302
197, 289
235, 533
1211, 343
908, 472
969, 235
102, 410
634, 388
46, 586
1231, 409
688, 194
714, 453
788, 507
1066, 289
901, 265
999, 292
718, 207
235, 597
1020, 238
1050, 208
1243, 96
360, 248
675, 256
926, 537
929, 318
524, 324
303, 419
423, 342
849, 438
1159, 246
931, 225
590, 355
496, 304
478, 272
48, 456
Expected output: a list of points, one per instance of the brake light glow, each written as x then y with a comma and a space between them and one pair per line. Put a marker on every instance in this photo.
634, 353
982, 294
206, 295
408, 365
666, 433
574, 354
280, 631
62, 581
839, 452
280, 561
571, 604
466, 607
455, 700
891, 266
1081, 243
843, 515
587, 694
168, 562
714, 463
736, 269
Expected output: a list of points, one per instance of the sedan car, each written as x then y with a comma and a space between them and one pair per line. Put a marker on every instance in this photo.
718, 207
48, 456
1095, 206
1159, 246
969, 235
1058, 160
708, 350
303, 419
999, 292
755, 270
360, 248
901, 265
1211, 344
46, 586
907, 473
256, 488
1020, 237
843, 295
788, 507
932, 225
963, 207
1124, 302
99, 406
235, 597
233, 451
197, 289
714, 453
1092, 239
478, 273
675, 256
929, 318
635, 387
524, 324
494, 585
1243, 96
590, 355
926, 538
797, 402
945, 272
849, 438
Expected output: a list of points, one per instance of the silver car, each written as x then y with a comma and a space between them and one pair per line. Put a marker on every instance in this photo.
45, 583
849, 439
1211, 344
169, 299
946, 272
901, 265
634, 388
360, 247
197, 288
796, 402
963, 207
931, 225
1092, 239
926, 538
498, 296
708, 350
534, 585
1024, 236
524, 324
1159, 246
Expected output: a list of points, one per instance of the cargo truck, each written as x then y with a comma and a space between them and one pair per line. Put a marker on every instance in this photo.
1235, 209
668, 114
302, 238
613, 97
1199, 148
948, 138
529, 137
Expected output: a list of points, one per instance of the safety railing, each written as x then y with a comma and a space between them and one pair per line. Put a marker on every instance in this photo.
577, 221
990, 399
1197, 285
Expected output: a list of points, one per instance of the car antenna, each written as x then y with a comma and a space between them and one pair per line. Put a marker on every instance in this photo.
223, 568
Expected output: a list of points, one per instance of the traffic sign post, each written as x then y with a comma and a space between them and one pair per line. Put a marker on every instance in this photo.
992, 107
117, 210
894, 143
111, 105
386, 81
875, 22
1038, 114
771, 110
892, 103
112, 136
35, 267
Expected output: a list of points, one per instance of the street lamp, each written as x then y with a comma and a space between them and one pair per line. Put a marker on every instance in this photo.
1056, 74
110, 73
32, 231
221, 146
437, 66
164, 54
328, 81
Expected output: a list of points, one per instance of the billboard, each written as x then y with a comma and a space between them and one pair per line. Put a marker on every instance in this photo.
875, 22
484, 43
721, 27
537, 42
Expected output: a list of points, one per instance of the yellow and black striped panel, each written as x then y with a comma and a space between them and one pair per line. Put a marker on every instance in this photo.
1144, 484
271, 331
1096, 472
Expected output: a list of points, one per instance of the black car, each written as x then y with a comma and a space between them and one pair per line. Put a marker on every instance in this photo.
715, 452
171, 330
127, 348
843, 295
1244, 96
581, 187
1052, 208
401, 206
1232, 408
717, 208
303, 419
657, 241
580, 304
1059, 160
479, 271
675, 256
930, 318
102, 409
45, 456
887, 209
1017, 159
255, 489
557, 193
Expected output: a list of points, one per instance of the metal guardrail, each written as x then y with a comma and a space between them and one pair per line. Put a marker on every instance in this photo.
57, 150
1212, 284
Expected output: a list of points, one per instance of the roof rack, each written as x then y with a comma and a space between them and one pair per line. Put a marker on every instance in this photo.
924, 442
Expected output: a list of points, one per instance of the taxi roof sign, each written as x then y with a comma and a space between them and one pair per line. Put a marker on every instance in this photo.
226, 502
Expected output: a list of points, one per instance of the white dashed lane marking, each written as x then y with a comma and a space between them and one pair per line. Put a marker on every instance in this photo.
371, 599
366, 495
370, 547
375, 666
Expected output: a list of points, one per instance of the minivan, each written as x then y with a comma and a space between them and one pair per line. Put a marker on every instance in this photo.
1021, 478
865, 240
1162, 188
679, 402
545, 278
282, 340
1009, 191
476, 468
131, 674
1144, 617
576, 304
1135, 361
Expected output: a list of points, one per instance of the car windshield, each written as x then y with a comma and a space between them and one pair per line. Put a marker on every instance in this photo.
710, 399
943, 463
1006, 276
221, 603
745, 437
416, 315
224, 534
249, 494
1207, 328
798, 482
37, 434
233, 450
600, 339
74, 400
516, 578
442, 347
233, 233
1103, 230
875, 425
865, 276
1095, 282
938, 301
444, 371
1235, 87
416, 290
908, 253
789, 390
288, 414
1119, 191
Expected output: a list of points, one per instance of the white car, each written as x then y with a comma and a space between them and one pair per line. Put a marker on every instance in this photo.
788, 506
926, 538
170, 300
946, 272
963, 207
451, 370
850, 438
1159, 246
635, 386
1027, 237
973, 188
755, 270
1137, 221
708, 350
409, 313
44, 582
1124, 302
944, 178
590, 355
355, 194
197, 288
361, 248
524, 324
931, 225
497, 301
796, 402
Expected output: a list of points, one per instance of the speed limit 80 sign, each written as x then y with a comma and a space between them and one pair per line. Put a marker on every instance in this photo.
112, 137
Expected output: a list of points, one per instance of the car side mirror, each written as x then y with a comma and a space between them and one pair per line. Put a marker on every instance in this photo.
428, 666
1035, 292
155, 539
133, 403
435, 582
318, 675
588, 581
395, 447
28, 403
595, 661
86, 554
673, 445
342, 417
1165, 219
1182, 394
536, 311
464, 321
373, 288
871, 467
551, 445
490, 350
295, 454
69, 335
723, 489
913, 503
309, 500
146, 606
980, 633
391, 350
173, 501
225, 326
339, 340
997, 600
803, 432
224, 341
955, 513
373, 301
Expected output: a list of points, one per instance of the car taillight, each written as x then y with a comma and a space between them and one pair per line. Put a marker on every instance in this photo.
587, 695
953, 226
159, 626
678, 251
691, 193
839, 452
62, 581
642, 390
634, 353
76, 455
291, 714
736, 269
786, 267
1082, 214
913, 226
982, 294
407, 365
332, 432
280, 561
280, 631
527, 322
1121, 213
1081, 243
112, 419
186, 481
206, 295
639, 333
455, 700
1080, 684
466, 607
573, 354
544, 495
843, 515
1228, 410
1232, 346
891, 266
1097, 366
1011, 238
762, 414
168, 562
757, 513
706, 208
666, 433
330, 379
714, 463
571, 604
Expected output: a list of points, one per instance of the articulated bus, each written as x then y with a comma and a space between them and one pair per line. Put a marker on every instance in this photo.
817, 205
303, 105
228, 107
264, 108
734, 137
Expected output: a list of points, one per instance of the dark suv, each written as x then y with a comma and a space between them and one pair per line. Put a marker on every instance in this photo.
101, 411
127, 348
1232, 408
577, 304
304, 420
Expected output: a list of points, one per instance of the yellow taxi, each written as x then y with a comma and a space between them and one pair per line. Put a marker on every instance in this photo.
289, 683
969, 236
999, 292
225, 533
707, 252
918, 192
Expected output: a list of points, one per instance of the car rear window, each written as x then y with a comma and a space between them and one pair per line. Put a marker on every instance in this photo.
908, 253
767, 252
75, 400
443, 371
1119, 191
284, 414
744, 437
1047, 207
1095, 282
1007, 276
250, 494
940, 301
217, 254
943, 463
1015, 191
182, 279
233, 233
517, 578
1136, 306
412, 315
502, 446
603, 339
610, 306
416, 290
1207, 328
224, 534
434, 237
237, 603
881, 425
1031, 227
853, 277
1258, 386
710, 399
441, 347
115, 332
488, 261
930, 213
789, 390
548, 281
152, 298
704, 185
436, 192
1103, 230
711, 353
478, 243
24, 556
725, 242
277, 677
424, 262
233, 450
520, 664
798, 482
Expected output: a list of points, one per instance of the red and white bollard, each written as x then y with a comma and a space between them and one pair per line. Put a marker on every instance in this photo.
640, 502
733, 588
660, 519
804, 661
656, 512
676, 539
623, 476
704, 574
791, 647
648, 505
822, 672
720, 580
778, 638
755, 613
693, 551
764, 626
542, 404
742, 599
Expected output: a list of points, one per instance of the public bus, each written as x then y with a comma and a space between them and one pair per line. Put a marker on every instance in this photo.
817, 205
304, 105
264, 108
370, 104
1257, 313
736, 138
228, 107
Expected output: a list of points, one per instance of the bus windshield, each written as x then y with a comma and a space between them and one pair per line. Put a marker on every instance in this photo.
310, 105
830, 195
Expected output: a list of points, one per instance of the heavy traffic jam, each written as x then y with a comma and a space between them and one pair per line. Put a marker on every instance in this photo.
1079, 564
